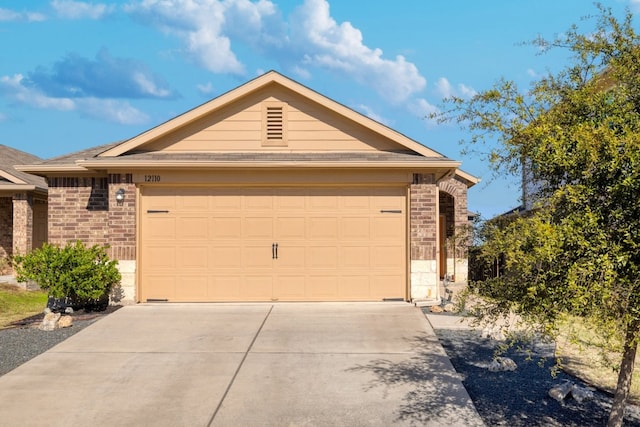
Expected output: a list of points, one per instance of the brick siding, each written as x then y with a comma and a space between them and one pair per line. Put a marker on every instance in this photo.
122, 218
78, 210
423, 217
22, 223
6, 227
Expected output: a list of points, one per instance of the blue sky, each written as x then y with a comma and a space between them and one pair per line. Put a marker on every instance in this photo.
78, 74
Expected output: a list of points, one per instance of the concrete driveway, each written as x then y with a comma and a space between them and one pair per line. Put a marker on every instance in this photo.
320, 364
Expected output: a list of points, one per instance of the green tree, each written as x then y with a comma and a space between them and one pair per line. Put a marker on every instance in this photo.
577, 133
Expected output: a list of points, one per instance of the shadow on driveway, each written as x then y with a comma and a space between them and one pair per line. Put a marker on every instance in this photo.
436, 395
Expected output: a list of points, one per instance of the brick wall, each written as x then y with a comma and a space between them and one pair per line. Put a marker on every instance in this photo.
423, 217
78, 210
122, 218
6, 227
22, 223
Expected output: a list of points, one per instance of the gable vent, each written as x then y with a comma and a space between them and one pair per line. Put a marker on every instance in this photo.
274, 124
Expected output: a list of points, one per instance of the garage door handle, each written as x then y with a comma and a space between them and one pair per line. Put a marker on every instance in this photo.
391, 211
274, 251
156, 211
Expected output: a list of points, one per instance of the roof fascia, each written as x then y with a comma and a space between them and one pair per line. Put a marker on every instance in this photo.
160, 164
14, 179
254, 85
471, 180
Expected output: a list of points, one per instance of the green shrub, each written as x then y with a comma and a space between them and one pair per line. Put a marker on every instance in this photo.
74, 271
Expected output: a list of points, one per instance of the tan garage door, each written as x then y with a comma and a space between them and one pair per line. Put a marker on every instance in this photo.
273, 244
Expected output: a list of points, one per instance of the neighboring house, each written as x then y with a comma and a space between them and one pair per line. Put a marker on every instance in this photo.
23, 205
270, 192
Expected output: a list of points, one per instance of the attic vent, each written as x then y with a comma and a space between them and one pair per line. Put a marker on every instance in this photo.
274, 121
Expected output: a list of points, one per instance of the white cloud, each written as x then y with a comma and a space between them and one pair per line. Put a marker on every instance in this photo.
205, 89
10, 15
198, 23
104, 109
111, 110
446, 90
309, 39
13, 86
70, 9
423, 109
340, 47
368, 111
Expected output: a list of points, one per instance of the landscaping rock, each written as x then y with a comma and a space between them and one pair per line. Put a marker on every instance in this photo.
450, 308
500, 364
49, 322
65, 322
561, 391
436, 309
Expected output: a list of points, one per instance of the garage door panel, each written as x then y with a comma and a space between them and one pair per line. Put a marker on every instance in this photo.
322, 287
193, 228
291, 228
160, 257
257, 228
323, 257
387, 227
258, 255
161, 287
257, 288
323, 228
225, 287
355, 228
226, 257
225, 228
291, 256
355, 257
383, 286
323, 202
387, 256
226, 200
193, 257
192, 288
195, 201
289, 287
333, 244
161, 228
354, 286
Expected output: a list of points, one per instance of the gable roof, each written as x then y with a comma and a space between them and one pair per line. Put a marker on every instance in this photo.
267, 79
14, 179
134, 152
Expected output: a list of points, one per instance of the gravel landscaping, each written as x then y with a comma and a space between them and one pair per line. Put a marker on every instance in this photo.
24, 340
520, 398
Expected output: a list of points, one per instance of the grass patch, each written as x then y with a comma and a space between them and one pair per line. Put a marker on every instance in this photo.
582, 358
17, 303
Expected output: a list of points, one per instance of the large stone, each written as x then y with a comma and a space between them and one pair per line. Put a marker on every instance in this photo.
500, 364
436, 309
49, 322
65, 322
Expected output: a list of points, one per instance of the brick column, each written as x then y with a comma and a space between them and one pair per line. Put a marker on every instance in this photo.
122, 232
424, 237
6, 227
22, 223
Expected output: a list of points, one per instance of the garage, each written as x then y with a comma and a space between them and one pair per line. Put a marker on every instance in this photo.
268, 192
205, 243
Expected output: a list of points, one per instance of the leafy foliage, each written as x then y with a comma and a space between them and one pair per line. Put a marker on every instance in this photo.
576, 134
74, 271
